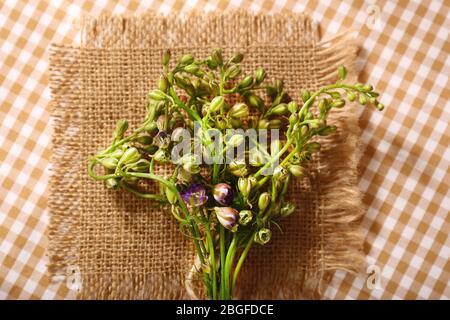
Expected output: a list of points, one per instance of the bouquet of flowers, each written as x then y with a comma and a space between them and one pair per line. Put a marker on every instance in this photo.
232, 155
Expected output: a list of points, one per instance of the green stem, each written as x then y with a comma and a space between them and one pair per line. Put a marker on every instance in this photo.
241, 260
192, 114
228, 264
212, 256
222, 261
274, 158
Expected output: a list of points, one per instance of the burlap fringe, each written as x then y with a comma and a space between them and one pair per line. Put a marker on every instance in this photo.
237, 28
342, 205
66, 120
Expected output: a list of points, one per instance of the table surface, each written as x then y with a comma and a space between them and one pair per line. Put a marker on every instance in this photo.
404, 172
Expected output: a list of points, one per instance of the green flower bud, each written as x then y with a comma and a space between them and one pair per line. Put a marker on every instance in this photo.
163, 83
362, 99
109, 163
157, 95
192, 68
305, 95
166, 57
211, 63
245, 216
327, 130
186, 59
239, 110
152, 127
263, 124
367, 88
216, 57
245, 185
235, 140
279, 110
237, 58
238, 168
121, 127
263, 201
216, 104
246, 82
191, 167
323, 106
338, 103
145, 140
116, 154
279, 85
129, 156
260, 75
313, 146
160, 156
256, 158
380, 106
293, 118
111, 183
274, 124
271, 91
255, 102
170, 195
342, 72
232, 72
235, 123
297, 170
292, 107
141, 165
351, 96
287, 210
263, 236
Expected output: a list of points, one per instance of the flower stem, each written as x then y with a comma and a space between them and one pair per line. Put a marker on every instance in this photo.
241, 260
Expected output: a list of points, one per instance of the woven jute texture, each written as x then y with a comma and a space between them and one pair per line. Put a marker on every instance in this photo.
129, 248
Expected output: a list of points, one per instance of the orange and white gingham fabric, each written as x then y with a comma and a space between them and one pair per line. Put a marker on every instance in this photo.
404, 171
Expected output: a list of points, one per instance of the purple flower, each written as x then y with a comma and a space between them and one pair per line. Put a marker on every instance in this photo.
228, 217
194, 195
223, 194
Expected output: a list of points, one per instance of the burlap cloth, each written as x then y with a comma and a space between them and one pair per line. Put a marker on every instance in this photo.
129, 248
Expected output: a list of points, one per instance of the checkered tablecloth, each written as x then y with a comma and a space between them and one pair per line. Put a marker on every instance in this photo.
404, 171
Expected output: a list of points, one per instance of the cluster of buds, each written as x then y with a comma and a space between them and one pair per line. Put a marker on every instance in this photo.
215, 93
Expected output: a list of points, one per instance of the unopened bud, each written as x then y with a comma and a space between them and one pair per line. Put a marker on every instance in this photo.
186, 59
292, 107
279, 110
111, 183
130, 155
157, 95
246, 82
121, 127
260, 75
263, 201
296, 170
239, 110
216, 104
109, 163
216, 57
166, 57
191, 68
235, 140
237, 58
238, 168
